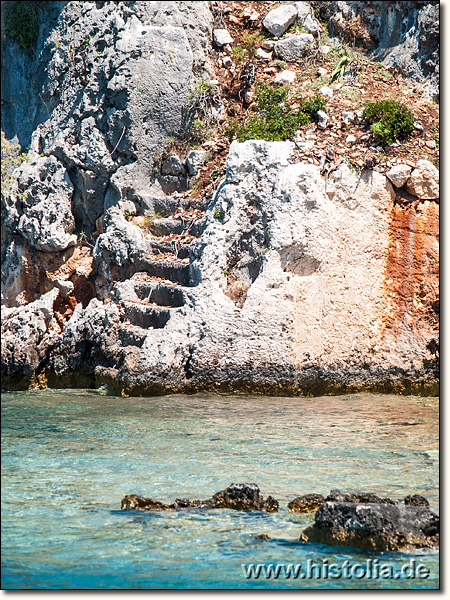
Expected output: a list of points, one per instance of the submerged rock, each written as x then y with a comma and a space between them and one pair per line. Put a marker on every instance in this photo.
374, 526
237, 496
306, 504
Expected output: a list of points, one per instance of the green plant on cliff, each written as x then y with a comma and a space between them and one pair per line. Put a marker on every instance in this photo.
22, 22
12, 157
278, 116
389, 120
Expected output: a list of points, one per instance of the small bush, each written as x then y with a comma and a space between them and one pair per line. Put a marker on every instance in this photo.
389, 120
277, 119
22, 21
248, 46
12, 157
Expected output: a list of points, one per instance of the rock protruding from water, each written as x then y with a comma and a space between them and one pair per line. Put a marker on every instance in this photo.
306, 504
237, 496
416, 500
374, 526
357, 497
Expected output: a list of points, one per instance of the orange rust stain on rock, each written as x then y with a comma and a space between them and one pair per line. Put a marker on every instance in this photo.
412, 269
83, 292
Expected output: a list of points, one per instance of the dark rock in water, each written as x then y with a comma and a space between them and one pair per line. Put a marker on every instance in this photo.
358, 497
306, 504
243, 496
262, 536
374, 526
133, 502
416, 500
238, 496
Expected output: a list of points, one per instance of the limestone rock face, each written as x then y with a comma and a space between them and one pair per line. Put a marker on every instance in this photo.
404, 35
294, 284
46, 222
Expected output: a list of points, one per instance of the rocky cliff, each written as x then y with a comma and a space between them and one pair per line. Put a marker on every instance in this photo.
289, 273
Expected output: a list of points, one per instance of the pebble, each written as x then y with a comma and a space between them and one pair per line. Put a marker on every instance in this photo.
418, 126
285, 77
263, 55
431, 144
350, 139
321, 72
268, 45
323, 119
325, 49
348, 117
222, 37
326, 91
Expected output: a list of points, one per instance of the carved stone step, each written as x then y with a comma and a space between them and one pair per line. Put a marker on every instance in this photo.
132, 335
145, 316
176, 272
162, 227
180, 250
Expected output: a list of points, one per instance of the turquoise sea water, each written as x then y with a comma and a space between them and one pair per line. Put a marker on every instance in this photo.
70, 456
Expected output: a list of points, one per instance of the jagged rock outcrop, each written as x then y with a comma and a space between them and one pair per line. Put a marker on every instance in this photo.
237, 496
404, 35
383, 527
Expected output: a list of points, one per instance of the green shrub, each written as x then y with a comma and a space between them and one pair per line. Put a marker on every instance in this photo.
277, 119
22, 22
248, 46
12, 157
389, 120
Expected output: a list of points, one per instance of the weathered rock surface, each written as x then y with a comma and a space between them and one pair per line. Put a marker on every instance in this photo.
241, 311
404, 35
416, 500
399, 175
424, 181
278, 20
292, 48
306, 504
383, 527
237, 496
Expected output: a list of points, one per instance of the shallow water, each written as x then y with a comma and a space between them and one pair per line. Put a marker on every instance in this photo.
70, 456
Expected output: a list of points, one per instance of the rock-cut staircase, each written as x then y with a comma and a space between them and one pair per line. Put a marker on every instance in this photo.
161, 284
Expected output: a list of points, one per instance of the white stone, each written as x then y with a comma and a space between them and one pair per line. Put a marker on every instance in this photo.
285, 77
424, 181
249, 96
226, 62
418, 126
278, 20
194, 160
326, 91
303, 10
321, 72
347, 117
312, 25
263, 55
431, 144
350, 139
222, 37
323, 119
325, 49
399, 175
268, 45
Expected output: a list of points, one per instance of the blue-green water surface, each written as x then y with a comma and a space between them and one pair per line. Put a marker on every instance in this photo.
70, 456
